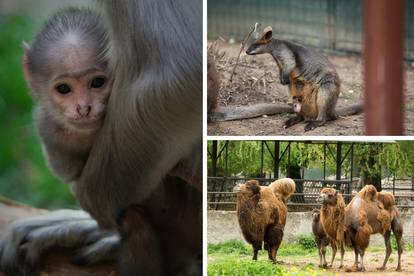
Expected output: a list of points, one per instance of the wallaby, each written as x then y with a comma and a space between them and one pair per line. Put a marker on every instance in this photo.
314, 84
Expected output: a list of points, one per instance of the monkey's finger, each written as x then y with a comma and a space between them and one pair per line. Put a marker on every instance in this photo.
105, 249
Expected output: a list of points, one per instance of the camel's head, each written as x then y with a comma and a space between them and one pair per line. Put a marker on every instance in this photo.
316, 213
250, 188
328, 196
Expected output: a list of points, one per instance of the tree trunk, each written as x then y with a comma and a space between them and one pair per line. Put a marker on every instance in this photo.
293, 171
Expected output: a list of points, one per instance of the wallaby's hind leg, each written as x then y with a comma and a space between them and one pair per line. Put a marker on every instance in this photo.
292, 121
325, 102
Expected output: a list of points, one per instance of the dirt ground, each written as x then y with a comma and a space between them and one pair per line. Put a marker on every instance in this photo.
256, 81
372, 261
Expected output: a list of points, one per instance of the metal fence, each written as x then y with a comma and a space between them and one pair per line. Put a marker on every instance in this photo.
220, 195
328, 24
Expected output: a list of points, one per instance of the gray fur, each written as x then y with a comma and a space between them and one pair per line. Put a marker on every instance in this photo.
84, 24
69, 27
311, 65
24, 241
156, 57
153, 123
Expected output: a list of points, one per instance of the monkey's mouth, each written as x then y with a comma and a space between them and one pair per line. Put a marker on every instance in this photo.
87, 123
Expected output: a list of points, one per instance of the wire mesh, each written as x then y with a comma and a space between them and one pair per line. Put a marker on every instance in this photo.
328, 24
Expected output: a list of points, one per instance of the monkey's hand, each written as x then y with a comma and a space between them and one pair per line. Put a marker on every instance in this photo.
284, 77
24, 241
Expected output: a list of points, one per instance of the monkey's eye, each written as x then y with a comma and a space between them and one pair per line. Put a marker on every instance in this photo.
98, 82
63, 88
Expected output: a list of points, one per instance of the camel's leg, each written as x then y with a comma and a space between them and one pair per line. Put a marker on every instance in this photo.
361, 253
334, 249
256, 248
388, 249
319, 244
342, 255
398, 231
273, 238
356, 257
322, 252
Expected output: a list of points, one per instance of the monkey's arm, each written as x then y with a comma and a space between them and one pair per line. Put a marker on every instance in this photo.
23, 242
154, 114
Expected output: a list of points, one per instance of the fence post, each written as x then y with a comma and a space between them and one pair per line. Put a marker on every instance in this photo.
383, 55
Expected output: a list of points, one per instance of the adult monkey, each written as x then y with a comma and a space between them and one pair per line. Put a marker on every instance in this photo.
142, 176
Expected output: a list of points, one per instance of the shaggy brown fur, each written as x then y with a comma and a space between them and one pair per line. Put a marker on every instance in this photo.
262, 217
283, 188
388, 201
321, 239
333, 218
365, 215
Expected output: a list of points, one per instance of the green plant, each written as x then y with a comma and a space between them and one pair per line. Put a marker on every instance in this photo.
307, 242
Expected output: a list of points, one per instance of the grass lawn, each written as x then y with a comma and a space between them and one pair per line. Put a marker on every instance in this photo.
298, 258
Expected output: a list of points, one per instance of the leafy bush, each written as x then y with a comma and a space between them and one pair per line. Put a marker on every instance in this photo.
229, 247
307, 242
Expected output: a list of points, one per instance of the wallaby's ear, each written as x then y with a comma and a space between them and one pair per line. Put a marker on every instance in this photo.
267, 34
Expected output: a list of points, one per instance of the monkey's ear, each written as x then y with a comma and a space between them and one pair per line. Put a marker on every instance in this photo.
25, 64
267, 34
336, 193
25, 46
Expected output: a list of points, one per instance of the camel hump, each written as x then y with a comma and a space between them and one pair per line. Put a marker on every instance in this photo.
283, 188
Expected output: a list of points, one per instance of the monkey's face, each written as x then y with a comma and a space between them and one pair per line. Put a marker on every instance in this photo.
328, 196
80, 97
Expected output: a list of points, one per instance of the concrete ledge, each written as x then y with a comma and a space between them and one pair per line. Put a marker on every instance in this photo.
223, 226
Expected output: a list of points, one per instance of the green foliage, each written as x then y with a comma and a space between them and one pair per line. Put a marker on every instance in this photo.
242, 267
234, 258
229, 247
307, 242
244, 157
24, 175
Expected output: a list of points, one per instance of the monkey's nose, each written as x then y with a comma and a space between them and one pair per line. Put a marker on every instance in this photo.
84, 110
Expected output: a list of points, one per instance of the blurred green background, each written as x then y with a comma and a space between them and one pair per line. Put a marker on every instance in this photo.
24, 175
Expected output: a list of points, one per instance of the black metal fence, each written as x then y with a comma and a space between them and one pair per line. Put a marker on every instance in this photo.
221, 196
328, 24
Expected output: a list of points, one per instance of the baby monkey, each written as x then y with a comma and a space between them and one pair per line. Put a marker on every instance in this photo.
65, 67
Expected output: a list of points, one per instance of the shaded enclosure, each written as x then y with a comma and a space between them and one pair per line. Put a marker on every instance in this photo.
329, 24
346, 175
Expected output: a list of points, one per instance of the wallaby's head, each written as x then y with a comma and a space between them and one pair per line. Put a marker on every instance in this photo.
259, 46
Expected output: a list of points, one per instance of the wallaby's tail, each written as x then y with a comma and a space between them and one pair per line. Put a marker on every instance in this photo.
350, 110
228, 113
283, 187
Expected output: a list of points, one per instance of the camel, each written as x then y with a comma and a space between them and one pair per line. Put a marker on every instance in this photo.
261, 213
322, 240
332, 218
366, 215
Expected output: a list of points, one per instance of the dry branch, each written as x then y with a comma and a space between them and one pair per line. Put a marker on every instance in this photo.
241, 49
